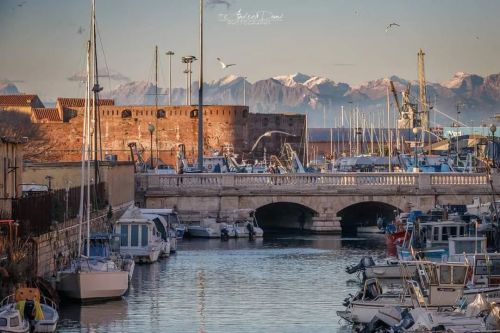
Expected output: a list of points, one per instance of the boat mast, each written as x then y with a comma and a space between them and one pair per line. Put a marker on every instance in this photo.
200, 96
95, 103
156, 107
389, 134
85, 151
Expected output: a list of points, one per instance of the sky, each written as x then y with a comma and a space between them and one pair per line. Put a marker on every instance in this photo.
42, 42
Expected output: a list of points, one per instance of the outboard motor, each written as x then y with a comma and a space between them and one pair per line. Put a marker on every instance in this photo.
224, 234
405, 323
29, 309
251, 231
363, 263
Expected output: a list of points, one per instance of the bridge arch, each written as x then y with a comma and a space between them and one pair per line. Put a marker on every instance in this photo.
285, 215
365, 213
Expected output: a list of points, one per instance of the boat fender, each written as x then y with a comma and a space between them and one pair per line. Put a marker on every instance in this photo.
38, 311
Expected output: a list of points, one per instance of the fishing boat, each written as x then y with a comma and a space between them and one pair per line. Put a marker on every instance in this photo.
90, 278
439, 287
28, 311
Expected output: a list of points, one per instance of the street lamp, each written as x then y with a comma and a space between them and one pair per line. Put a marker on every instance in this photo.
415, 166
151, 129
170, 54
244, 90
493, 129
188, 60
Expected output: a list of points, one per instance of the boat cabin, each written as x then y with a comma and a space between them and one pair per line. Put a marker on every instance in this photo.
442, 283
136, 235
438, 233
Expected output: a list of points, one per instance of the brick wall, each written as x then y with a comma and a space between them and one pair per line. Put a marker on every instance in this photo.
223, 125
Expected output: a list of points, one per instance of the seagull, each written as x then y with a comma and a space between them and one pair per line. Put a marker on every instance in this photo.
80, 30
391, 25
224, 66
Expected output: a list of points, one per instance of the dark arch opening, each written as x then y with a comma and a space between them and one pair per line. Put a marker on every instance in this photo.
365, 214
161, 113
285, 216
127, 113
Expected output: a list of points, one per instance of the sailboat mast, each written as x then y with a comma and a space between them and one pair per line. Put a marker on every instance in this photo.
95, 101
200, 96
156, 106
389, 134
84, 151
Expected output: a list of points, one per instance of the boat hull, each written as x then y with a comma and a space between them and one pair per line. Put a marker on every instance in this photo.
203, 232
93, 286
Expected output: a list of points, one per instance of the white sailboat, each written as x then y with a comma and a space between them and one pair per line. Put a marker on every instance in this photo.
90, 278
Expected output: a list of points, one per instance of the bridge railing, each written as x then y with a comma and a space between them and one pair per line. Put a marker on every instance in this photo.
459, 179
340, 180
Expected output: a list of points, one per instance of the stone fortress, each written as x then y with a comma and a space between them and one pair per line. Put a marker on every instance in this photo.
230, 126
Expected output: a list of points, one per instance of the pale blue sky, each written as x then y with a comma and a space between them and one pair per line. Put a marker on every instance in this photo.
41, 46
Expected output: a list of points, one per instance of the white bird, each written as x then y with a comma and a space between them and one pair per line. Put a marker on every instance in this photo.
224, 66
390, 26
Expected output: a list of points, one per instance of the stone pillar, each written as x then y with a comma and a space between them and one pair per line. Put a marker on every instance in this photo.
325, 224
424, 181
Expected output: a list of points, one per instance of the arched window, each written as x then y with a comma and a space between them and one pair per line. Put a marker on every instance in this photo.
127, 113
193, 113
161, 113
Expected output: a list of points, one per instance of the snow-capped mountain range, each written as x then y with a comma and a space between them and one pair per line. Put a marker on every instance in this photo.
480, 96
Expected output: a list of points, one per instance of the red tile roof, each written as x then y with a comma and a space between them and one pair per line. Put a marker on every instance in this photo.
80, 102
47, 114
17, 100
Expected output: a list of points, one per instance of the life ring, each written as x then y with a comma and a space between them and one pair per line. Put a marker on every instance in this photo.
209, 167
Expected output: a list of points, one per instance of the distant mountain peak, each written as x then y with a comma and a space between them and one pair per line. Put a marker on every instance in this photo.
8, 88
293, 79
226, 80
455, 81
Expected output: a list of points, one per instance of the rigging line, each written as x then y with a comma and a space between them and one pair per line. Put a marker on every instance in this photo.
103, 55
451, 118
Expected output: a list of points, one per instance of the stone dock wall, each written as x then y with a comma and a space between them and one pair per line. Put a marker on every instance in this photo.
52, 250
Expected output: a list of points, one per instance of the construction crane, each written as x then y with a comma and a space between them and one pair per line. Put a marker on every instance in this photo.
395, 94
136, 155
424, 110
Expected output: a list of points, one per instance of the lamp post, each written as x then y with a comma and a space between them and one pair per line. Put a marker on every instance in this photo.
151, 129
188, 60
415, 166
244, 90
170, 54
493, 129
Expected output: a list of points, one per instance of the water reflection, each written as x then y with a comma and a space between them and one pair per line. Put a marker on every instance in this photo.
201, 300
291, 283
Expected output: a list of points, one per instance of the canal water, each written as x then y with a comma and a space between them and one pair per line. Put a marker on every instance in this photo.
284, 283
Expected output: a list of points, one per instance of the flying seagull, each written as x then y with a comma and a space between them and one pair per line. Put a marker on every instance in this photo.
224, 66
391, 25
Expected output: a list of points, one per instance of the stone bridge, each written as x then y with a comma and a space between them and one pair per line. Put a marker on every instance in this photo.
322, 203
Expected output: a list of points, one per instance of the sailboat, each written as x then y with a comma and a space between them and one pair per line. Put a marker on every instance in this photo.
90, 278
